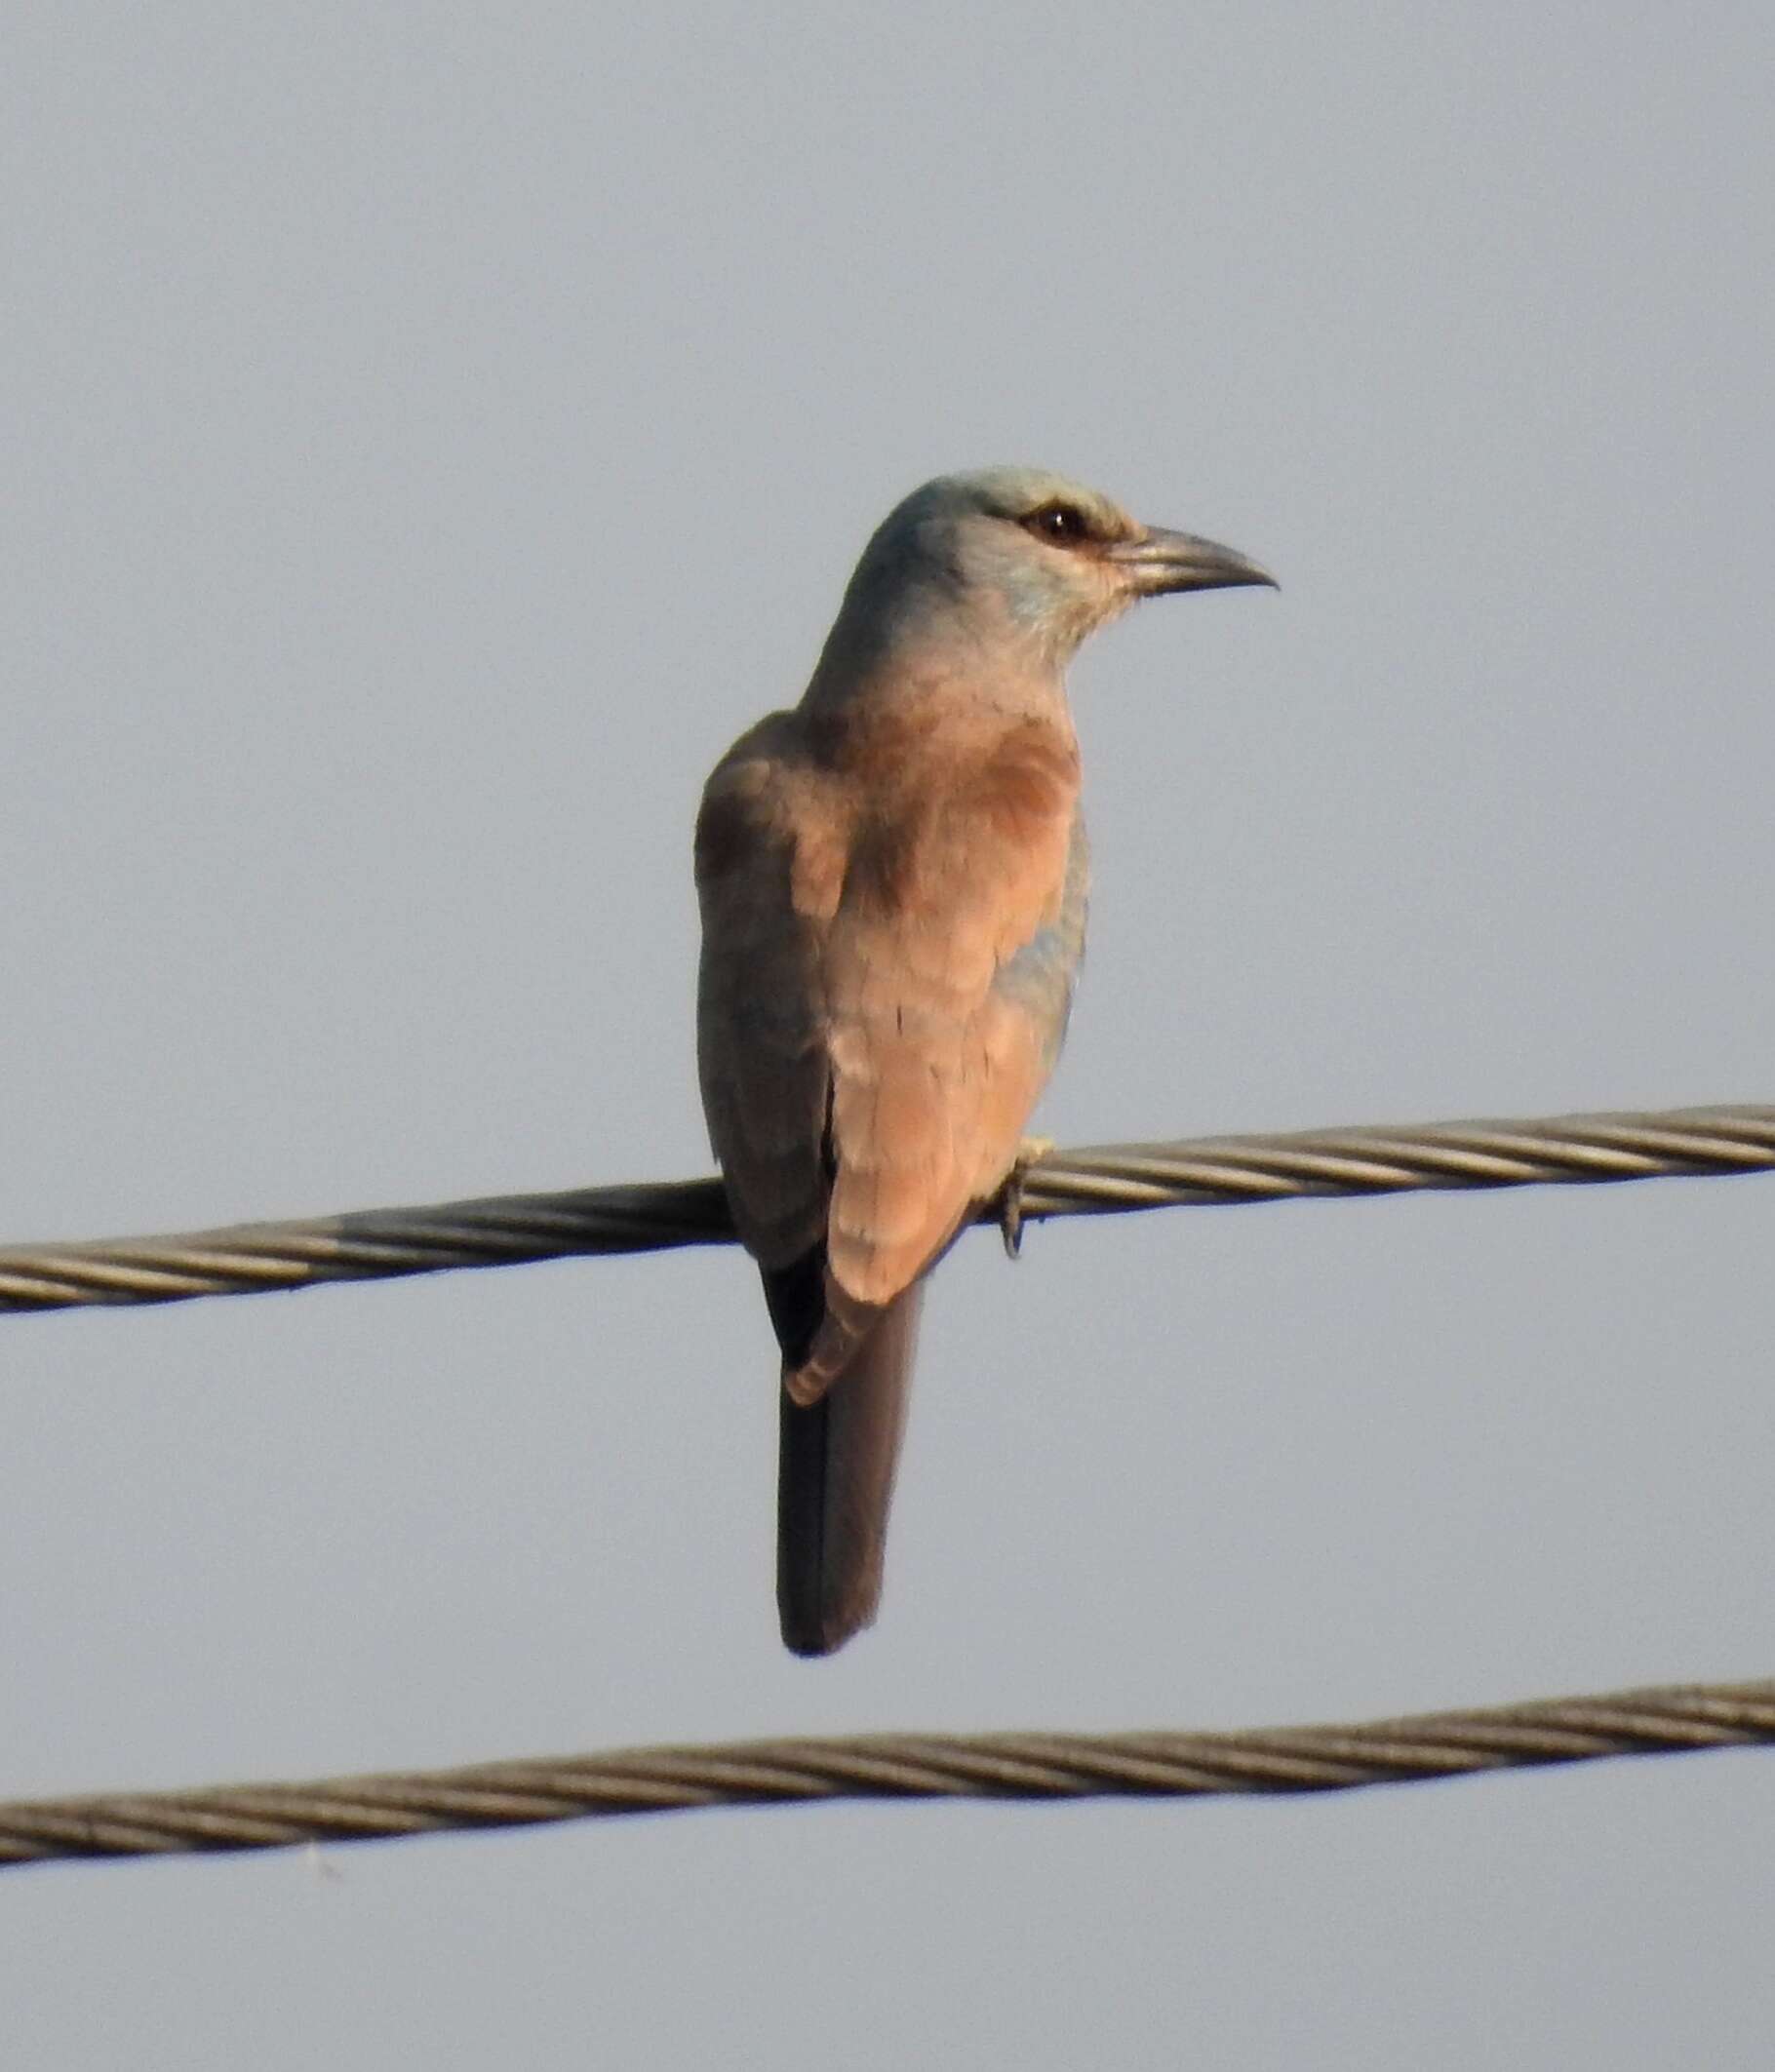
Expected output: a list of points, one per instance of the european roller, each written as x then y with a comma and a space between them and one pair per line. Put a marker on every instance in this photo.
892, 879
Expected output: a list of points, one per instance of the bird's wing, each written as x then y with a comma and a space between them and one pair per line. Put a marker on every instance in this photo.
885, 977
768, 879
886, 974
948, 974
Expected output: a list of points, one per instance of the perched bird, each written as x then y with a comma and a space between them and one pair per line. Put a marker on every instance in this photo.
892, 882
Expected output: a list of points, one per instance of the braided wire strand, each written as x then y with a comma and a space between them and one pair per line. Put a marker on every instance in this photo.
372, 1244
1674, 1719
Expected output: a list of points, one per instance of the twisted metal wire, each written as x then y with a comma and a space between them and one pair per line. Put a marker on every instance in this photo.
1672, 1720
507, 1231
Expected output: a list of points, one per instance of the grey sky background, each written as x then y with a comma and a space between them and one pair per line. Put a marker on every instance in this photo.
430, 435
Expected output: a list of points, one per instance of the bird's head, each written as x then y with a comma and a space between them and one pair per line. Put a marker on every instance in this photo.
1029, 552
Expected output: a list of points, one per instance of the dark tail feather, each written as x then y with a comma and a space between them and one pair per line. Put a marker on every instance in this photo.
835, 1481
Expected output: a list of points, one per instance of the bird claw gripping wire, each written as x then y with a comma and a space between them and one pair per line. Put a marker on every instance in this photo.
1031, 1151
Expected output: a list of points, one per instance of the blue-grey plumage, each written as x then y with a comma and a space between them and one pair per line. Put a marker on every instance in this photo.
893, 881
1041, 976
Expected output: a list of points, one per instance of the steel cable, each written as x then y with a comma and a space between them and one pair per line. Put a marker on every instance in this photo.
1671, 1720
370, 1244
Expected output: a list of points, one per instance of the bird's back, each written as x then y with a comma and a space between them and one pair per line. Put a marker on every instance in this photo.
893, 907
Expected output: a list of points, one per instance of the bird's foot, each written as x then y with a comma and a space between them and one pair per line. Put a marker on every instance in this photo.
1031, 1151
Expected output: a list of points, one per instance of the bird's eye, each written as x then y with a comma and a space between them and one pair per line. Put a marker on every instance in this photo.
1060, 523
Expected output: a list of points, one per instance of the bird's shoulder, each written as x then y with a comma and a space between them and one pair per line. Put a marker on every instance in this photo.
905, 801
773, 809
959, 810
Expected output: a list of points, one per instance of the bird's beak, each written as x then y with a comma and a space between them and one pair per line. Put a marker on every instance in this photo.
1160, 560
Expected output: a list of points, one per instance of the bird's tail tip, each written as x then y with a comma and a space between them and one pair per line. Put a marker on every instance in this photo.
811, 1634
